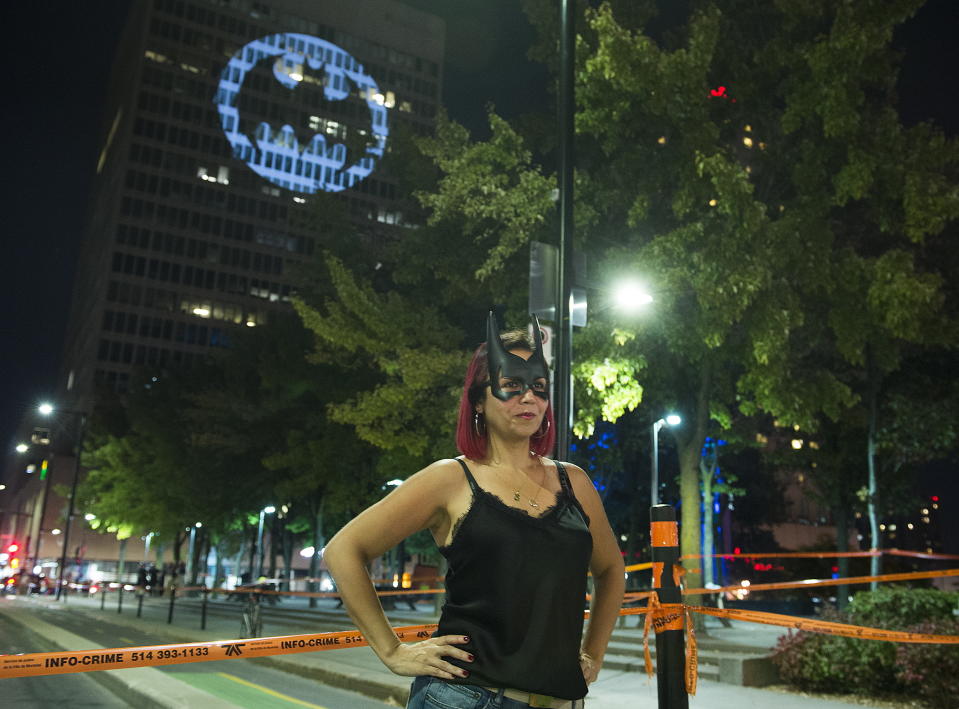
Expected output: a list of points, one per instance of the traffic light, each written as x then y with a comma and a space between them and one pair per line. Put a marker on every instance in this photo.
13, 548
43, 469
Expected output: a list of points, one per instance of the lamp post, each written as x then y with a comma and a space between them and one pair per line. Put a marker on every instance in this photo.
671, 420
268, 510
47, 410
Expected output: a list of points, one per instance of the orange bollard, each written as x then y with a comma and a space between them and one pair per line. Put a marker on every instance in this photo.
668, 622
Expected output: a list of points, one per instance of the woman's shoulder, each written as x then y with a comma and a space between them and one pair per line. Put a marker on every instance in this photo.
578, 477
440, 471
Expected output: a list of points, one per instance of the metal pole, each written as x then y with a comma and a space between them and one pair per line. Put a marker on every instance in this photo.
43, 508
103, 597
564, 330
140, 604
670, 641
169, 616
203, 610
73, 497
654, 479
120, 598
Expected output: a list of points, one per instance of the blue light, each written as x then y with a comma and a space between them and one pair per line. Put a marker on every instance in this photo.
277, 155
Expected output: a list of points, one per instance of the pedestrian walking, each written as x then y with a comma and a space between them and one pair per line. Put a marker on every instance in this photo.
520, 533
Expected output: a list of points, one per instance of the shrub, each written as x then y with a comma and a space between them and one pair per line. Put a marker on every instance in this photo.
818, 662
897, 608
932, 671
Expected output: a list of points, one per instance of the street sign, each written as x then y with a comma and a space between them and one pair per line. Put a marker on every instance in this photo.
543, 283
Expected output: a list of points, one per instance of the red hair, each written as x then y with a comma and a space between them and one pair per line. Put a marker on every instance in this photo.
473, 444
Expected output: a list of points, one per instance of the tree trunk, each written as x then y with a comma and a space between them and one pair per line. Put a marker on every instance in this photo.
708, 471
287, 538
318, 543
842, 544
121, 560
875, 563
690, 451
238, 561
253, 552
218, 569
727, 535
274, 545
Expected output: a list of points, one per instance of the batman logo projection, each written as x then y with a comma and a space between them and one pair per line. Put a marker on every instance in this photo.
271, 97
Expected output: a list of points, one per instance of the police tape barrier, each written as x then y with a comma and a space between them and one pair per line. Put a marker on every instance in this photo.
815, 583
826, 627
53, 663
828, 555
65, 662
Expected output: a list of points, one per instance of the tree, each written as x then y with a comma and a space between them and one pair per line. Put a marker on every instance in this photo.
739, 159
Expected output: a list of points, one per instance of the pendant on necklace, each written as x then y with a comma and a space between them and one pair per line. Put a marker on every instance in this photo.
534, 503
516, 496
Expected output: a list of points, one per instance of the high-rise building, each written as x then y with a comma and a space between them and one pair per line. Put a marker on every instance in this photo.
223, 118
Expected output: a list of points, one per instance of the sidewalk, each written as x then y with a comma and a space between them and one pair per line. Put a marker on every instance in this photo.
359, 669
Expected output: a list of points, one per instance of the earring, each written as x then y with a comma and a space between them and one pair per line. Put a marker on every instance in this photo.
476, 420
540, 434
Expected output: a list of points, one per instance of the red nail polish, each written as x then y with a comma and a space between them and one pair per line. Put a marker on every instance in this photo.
470, 658
466, 673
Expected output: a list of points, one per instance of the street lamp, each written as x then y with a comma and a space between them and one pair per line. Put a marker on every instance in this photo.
268, 510
631, 296
22, 448
670, 420
46, 410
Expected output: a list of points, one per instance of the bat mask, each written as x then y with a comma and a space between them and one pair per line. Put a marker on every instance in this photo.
502, 363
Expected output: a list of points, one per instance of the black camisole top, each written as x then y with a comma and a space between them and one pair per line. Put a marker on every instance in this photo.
516, 585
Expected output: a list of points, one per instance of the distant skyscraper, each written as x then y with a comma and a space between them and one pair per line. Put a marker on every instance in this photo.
223, 118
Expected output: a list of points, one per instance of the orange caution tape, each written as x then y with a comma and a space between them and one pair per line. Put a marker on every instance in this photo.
919, 554
826, 555
788, 555
815, 583
670, 616
827, 627
54, 663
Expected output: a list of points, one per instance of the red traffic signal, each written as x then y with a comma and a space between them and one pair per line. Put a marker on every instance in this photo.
13, 547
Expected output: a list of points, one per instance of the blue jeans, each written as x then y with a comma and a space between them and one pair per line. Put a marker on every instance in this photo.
434, 693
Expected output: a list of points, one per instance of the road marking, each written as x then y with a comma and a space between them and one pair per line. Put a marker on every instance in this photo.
271, 692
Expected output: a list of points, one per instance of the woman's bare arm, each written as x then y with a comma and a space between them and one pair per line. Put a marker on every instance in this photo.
419, 503
609, 580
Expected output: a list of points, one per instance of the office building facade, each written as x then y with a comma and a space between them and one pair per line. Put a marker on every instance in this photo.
224, 119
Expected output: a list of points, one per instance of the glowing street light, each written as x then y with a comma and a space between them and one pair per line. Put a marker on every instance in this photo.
22, 448
45, 408
631, 296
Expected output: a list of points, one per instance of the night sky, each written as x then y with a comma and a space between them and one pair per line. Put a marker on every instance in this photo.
58, 57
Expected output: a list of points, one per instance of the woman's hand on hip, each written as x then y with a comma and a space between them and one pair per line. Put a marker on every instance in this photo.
428, 658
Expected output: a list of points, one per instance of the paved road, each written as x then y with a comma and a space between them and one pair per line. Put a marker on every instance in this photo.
55, 692
245, 683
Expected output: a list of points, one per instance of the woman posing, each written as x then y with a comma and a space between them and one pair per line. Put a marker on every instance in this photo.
519, 531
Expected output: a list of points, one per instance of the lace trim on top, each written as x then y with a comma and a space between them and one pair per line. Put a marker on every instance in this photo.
510, 509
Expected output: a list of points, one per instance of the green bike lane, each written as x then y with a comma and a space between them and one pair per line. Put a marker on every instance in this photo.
241, 683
